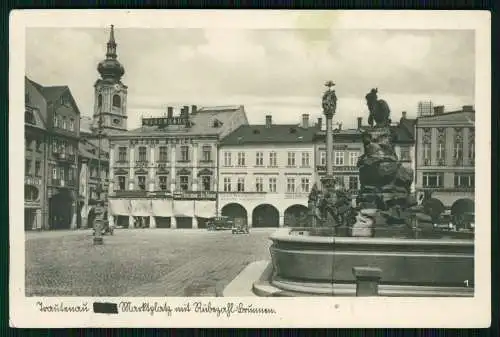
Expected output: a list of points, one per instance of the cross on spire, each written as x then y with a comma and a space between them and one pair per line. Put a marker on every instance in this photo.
329, 84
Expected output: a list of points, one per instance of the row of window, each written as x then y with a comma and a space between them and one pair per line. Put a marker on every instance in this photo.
458, 153
163, 153
28, 168
305, 161
62, 122
436, 180
28, 142
291, 183
59, 173
183, 183
63, 147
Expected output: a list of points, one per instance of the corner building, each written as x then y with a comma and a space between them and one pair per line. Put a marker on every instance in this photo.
266, 173
52, 132
164, 174
446, 154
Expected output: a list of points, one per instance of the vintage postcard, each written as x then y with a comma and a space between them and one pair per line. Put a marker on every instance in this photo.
250, 168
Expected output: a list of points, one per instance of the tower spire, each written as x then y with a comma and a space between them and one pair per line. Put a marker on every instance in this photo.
111, 50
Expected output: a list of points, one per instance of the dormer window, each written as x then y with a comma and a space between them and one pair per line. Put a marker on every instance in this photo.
64, 100
216, 123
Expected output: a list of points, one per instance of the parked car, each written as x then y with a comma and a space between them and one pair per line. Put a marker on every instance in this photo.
220, 223
240, 226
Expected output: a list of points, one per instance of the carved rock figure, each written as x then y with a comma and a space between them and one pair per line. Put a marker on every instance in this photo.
379, 109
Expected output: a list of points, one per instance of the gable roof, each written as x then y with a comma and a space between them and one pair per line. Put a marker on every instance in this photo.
53, 93
405, 130
202, 123
276, 133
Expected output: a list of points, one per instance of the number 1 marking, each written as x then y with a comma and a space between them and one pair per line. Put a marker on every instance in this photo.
466, 283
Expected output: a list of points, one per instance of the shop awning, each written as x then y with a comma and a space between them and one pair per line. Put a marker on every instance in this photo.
184, 208
141, 207
205, 208
119, 206
162, 207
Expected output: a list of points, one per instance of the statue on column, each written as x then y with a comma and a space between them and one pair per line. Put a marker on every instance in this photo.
329, 101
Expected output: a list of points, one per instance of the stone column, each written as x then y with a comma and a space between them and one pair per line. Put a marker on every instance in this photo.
152, 221
173, 222
467, 145
249, 220
329, 146
130, 221
434, 140
152, 168
450, 146
282, 221
111, 176
131, 169
111, 218
73, 215
38, 219
172, 166
195, 222
194, 185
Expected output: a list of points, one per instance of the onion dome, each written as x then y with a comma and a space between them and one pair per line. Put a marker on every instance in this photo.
110, 68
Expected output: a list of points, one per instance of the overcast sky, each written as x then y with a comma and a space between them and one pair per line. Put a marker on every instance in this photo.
278, 72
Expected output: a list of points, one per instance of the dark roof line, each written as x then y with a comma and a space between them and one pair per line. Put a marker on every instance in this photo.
447, 113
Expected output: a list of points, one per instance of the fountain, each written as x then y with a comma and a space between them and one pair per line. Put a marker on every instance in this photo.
384, 246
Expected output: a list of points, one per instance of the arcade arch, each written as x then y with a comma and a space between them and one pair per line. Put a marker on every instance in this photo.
265, 215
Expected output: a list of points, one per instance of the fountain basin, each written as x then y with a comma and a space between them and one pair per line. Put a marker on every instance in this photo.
304, 264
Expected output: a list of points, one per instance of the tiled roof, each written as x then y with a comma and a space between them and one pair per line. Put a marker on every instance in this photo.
203, 123
405, 131
259, 134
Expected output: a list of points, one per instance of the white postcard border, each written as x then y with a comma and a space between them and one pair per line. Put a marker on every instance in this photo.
302, 312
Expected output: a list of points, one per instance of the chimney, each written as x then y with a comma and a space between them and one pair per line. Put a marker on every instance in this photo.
468, 108
170, 112
340, 126
305, 121
194, 109
269, 121
186, 111
320, 123
403, 114
360, 122
438, 110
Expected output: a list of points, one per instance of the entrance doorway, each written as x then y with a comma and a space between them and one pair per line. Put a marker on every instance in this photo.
60, 210
29, 218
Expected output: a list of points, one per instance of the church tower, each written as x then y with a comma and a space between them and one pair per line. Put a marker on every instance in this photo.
110, 106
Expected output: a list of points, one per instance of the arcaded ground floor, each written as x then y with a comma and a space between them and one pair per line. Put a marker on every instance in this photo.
138, 262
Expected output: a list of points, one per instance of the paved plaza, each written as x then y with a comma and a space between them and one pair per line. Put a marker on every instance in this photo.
139, 262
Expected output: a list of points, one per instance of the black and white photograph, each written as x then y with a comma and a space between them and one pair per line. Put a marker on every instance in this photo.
208, 167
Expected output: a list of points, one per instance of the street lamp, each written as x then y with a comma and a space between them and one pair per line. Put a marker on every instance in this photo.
100, 202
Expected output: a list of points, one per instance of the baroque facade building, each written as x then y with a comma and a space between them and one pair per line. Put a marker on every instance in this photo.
51, 159
266, 172
164, 174
445, 158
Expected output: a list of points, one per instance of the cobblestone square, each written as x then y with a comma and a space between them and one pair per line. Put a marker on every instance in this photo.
160, 262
